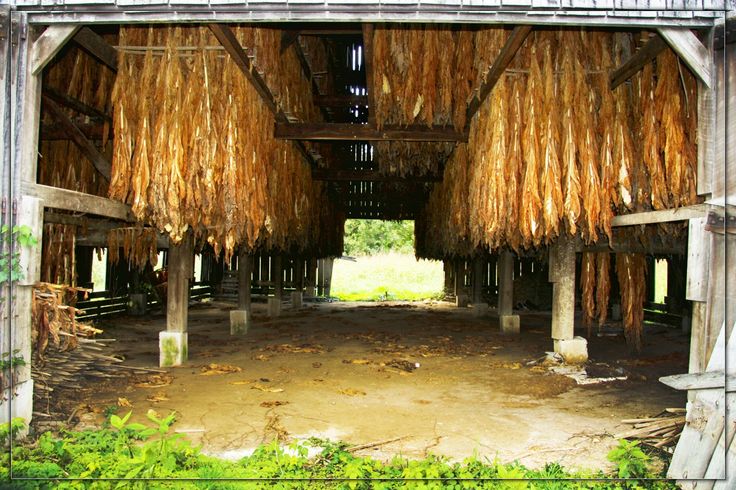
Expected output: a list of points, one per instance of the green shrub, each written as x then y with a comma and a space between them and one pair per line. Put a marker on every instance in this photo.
127, 450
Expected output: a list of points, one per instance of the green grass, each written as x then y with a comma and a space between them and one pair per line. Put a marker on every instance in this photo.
384, 277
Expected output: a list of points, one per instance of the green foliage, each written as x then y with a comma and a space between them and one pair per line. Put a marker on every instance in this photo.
22, 236
630, 459
10, 430
370, 237
129, 450
388, 277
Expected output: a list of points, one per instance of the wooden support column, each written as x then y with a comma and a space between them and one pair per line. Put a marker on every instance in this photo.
277, 278
297, 296
562, 275
508, 322
329, 262
30, 214
310, 281
480, 308
240, 319
173, 344
449, 268
461, 298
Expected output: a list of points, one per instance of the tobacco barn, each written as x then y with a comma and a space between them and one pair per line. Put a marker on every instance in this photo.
551, 154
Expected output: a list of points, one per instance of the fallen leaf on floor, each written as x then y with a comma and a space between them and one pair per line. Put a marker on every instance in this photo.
264, 380
123, 402
241, 382
316, 365
422, 402
155, 381
356, 361
158, 397
212, 369
352, 392
259, 386
304, 348
403, 365
262, 357
275, 403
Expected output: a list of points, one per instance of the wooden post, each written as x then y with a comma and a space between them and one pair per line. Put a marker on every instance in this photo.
447, 265
478, 273
562, 275
329, 263
461, 299
30, 213
320, 277
297, 295
508, 322
477, 279
173, 346
311, 279
277, 277
240, 318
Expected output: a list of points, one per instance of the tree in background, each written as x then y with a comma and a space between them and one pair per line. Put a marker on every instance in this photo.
370, 237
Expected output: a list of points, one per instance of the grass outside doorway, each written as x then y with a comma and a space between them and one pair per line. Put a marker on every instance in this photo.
387, 277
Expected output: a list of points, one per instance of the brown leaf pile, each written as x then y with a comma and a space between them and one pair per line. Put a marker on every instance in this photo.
552, 149
54, 318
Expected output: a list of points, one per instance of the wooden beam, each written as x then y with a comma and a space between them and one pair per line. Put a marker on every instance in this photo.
288, 37
74, 104
91, 42
49, 44
57, 198
341, 100
369, 79
644, 55
92, 131
663, 216
367, 176
690, 50
231, 44
505, 56
351, 132
700, 381
87, 148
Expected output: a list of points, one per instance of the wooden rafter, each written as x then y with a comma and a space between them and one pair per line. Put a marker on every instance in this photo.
48, 44
74, 104
231, 44
80, 202
505, 56
92, 131
365, 132
637, 61
87, 148
368, 62
288, 37
662, 216
690, 50
97, 47
367, 176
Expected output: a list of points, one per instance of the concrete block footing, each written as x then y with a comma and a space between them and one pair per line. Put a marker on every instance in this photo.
239, 322
480, 309
461, 300
296, 299
573, 351
274, 306
173, 348
310, 292
509, 324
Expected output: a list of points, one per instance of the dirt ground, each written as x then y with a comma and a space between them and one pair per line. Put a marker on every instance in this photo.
339, 371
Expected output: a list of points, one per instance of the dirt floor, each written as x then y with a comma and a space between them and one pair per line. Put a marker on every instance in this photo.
340, 371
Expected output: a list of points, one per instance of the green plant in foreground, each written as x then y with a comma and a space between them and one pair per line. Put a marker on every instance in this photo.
630, 459
147, 450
